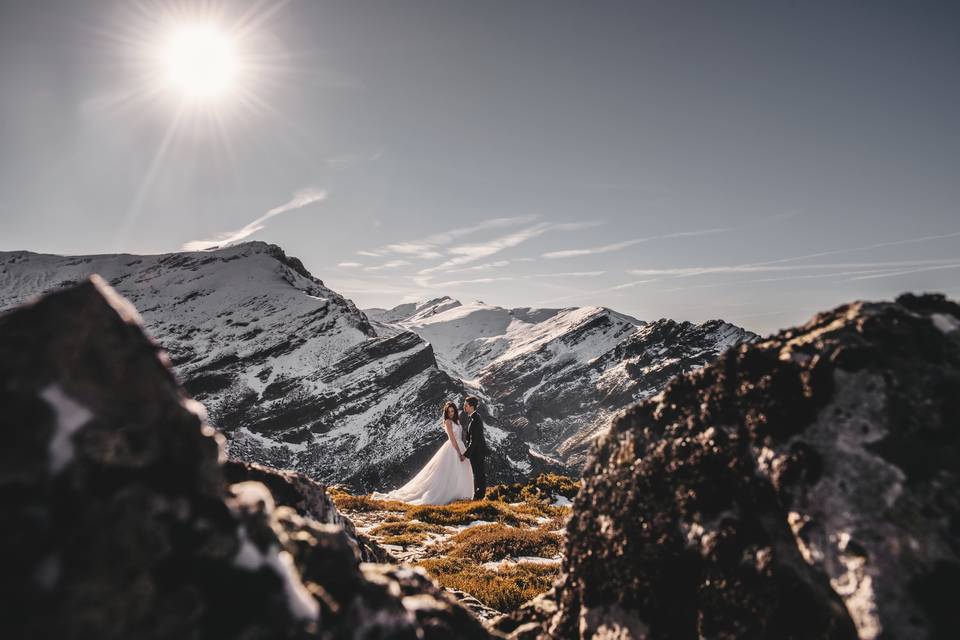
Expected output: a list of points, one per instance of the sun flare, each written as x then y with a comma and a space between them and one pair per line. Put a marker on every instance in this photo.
200, 62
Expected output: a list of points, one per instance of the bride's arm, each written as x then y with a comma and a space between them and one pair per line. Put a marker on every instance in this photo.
448, 425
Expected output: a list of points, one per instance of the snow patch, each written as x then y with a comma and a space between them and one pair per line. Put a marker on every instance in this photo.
496, 565
562, 501
70, 416
299, 600
945, 322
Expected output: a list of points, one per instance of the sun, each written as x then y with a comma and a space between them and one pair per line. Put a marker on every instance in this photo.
200, 62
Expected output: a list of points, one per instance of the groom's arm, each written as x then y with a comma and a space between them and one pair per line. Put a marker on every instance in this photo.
478, 434
470, 440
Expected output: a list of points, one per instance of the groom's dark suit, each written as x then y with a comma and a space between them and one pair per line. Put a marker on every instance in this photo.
477, 451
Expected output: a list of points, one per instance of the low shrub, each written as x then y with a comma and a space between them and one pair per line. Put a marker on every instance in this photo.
346, 502
485, 543
558, 520
504, 590
404, 539
465, 512
406, 526
545, 489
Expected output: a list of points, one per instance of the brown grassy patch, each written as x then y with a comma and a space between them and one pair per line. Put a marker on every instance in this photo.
544, 489
485, 543
404, 539
399, 528
504, 590
347, 502
466, 512
558, 520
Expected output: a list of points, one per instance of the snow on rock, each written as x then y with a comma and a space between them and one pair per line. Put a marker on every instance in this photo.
554, 377
70, 416
804, 486
136, 531
290, 371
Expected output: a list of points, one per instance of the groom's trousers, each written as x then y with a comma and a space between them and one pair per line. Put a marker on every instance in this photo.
478, 463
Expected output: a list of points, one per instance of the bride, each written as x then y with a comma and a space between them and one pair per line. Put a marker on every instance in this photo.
446, 477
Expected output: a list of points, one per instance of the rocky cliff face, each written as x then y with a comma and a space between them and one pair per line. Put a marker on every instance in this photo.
290, 371
557, 376
120, 520
802, 487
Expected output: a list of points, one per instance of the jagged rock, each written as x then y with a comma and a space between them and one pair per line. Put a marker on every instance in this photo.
308, 498
530, 621
807, 486
555, 377
477, 608
118, 521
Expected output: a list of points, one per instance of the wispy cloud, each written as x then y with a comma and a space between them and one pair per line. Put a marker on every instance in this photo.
685, 272
465, 254
427, 282
630, 285
392, 264
299, 200
457, 283
347, 160
568, 274
619, 246
416, 250
349, 265
850, 273
435, 245
866, 247
581, 295
486, 266
904, 272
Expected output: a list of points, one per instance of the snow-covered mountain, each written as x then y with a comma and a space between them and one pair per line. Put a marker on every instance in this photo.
297, 377
292, 372
555, 376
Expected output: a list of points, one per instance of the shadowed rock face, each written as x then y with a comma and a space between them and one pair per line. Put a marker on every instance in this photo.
807, 486
119, 522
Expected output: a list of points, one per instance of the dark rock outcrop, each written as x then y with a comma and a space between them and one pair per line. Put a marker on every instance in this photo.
119, 519
807, 486
308, 498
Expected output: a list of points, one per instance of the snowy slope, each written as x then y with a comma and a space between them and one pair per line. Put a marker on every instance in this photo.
554, 377
292, 372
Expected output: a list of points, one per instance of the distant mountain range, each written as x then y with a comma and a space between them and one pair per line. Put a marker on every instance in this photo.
297, 377
556, 376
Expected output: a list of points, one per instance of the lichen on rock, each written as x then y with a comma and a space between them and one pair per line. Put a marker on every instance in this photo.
805, 486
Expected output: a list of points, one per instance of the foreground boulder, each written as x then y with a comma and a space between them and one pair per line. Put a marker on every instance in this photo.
118, 520
807, 486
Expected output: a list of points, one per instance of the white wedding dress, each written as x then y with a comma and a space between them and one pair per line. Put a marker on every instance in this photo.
443, 479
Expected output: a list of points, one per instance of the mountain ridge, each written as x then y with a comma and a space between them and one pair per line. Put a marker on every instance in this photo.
587, 362
298, 377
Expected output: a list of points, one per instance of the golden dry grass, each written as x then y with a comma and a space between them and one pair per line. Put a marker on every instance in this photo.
347, 502
399, 528
558, 520
543, 489
465, 512
504, 590
404, 539
485, 543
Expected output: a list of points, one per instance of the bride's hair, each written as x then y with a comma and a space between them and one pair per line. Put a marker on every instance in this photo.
456, 413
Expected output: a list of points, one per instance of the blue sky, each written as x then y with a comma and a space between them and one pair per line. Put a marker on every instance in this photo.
756, 161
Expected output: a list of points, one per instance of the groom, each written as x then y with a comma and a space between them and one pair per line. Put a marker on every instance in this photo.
476, 447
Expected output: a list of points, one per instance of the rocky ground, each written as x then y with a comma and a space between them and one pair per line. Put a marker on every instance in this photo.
492, 554
122, 520
805, 486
